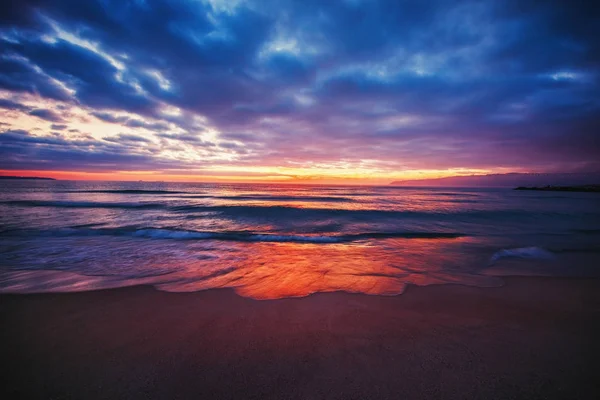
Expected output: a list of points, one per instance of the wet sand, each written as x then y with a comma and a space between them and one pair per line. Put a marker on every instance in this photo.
533, 338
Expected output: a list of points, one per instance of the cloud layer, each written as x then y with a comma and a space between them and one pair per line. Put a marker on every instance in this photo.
354, 88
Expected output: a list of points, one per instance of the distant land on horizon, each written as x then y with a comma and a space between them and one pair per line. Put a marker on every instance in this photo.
26, 177
508, 180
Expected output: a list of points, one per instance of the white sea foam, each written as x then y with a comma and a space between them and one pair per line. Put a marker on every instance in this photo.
522, 252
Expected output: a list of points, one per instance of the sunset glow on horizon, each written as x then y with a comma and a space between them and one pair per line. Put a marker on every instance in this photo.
260, 175
340, 92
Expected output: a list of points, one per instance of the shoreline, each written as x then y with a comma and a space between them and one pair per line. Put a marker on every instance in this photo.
534, 337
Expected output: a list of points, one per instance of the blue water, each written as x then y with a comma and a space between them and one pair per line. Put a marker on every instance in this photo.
270, 241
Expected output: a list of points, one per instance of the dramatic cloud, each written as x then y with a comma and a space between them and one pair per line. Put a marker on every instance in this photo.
48, 115
348, 88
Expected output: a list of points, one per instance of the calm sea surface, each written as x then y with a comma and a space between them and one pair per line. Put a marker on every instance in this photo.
272, 241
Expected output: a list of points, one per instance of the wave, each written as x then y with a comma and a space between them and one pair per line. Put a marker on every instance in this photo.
244, 236
284, 212
81, 204
279, 212
453, 194
464, 201
406, 235
325, 199
522, 252
126, 191
291, 198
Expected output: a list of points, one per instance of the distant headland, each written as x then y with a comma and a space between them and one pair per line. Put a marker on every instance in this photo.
510, 180
27, 177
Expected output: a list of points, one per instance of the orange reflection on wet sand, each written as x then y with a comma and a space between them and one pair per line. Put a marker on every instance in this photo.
277, 270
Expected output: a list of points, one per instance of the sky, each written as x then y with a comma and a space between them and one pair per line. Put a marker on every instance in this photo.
347, 91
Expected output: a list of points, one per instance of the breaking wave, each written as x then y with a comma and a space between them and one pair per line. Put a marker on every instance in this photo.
280, 211
522, 252
82, 204
175, 234
324, 199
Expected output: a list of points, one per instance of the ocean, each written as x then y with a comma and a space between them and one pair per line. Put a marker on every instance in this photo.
271, 241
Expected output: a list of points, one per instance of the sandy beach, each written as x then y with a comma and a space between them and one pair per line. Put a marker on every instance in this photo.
533, 338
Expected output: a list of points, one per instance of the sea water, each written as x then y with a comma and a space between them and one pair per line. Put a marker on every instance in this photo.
271, 241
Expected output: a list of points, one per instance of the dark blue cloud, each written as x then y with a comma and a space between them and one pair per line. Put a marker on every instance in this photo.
288, 70
93, 77
124, 138
12, 105
108, 117
549, 34
131, 122
153, 126
46, 114
17, 75
187, 138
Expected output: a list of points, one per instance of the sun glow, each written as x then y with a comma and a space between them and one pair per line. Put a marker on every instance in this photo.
254, 174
